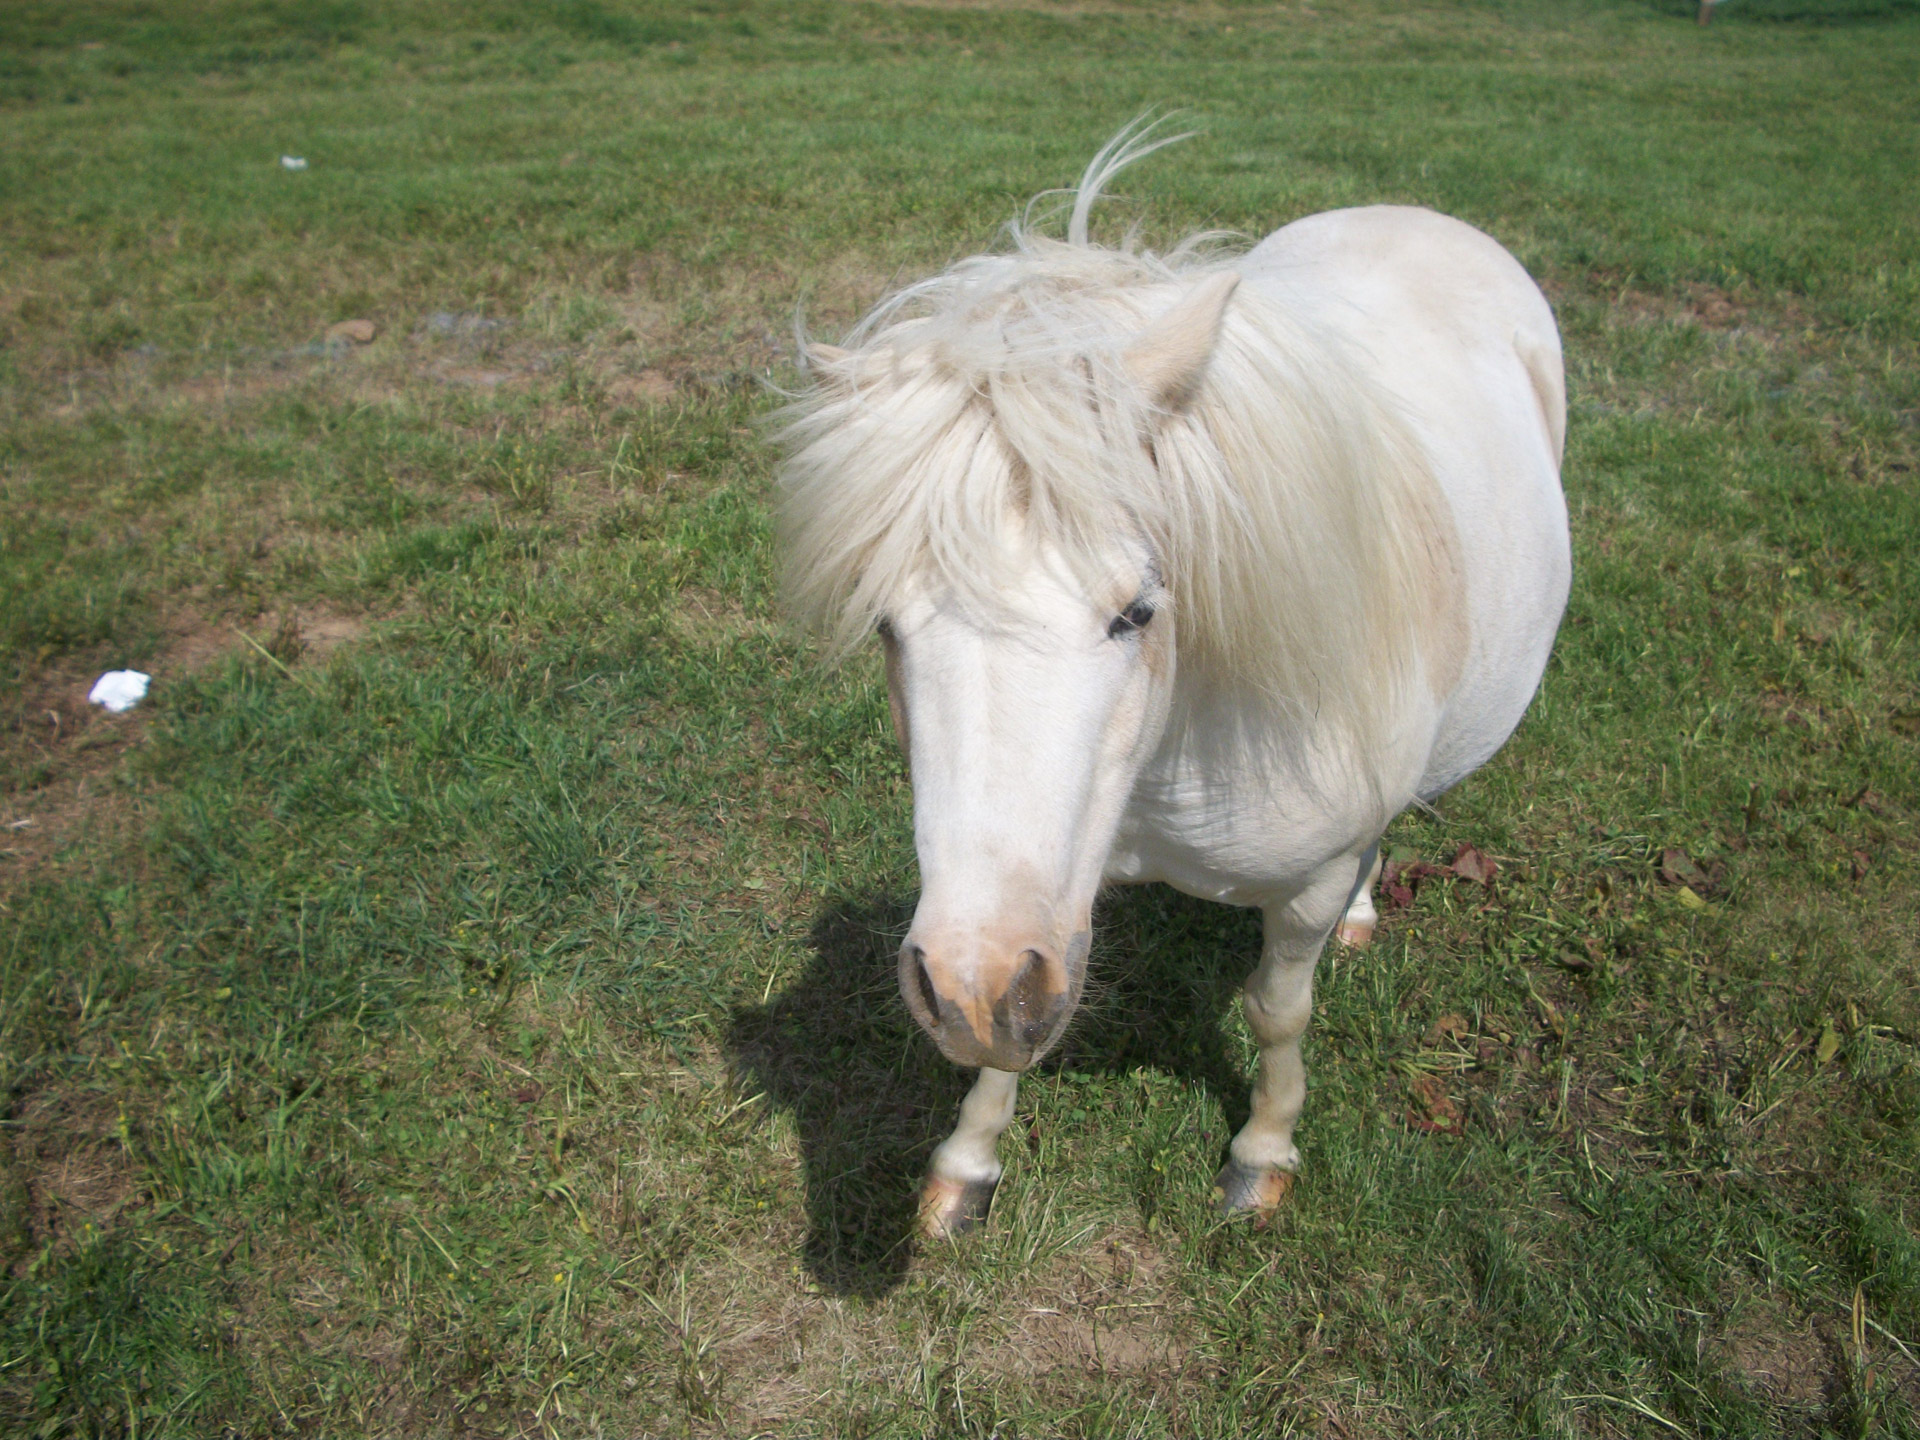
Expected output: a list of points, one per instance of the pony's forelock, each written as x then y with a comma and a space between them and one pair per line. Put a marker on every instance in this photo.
1286, 507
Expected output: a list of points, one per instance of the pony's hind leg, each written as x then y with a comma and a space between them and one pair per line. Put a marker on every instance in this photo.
966, 1168
1278, 1003
1356, 925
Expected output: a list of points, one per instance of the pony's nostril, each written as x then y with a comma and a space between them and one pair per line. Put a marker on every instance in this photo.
928, 995
1028, 990
1032, 1006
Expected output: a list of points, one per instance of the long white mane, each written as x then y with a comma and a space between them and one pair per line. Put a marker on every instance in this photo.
1289, 512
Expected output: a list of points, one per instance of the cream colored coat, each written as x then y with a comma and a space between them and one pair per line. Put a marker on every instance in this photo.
1055, 739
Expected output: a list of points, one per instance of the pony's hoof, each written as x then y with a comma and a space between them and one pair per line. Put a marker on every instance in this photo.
1355, 934
949, 1208
1239, 1189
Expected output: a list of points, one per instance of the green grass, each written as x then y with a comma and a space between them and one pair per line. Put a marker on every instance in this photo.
460, 1002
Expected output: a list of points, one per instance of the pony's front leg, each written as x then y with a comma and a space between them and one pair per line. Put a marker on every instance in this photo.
966, 1168
1278, 1002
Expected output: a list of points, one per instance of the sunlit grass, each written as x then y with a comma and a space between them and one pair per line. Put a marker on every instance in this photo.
468, 1008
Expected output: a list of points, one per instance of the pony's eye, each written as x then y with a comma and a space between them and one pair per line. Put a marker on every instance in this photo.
1134, 617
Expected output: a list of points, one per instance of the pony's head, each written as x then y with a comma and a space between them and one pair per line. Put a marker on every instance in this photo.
1028, 627
1047, 478
1025, 728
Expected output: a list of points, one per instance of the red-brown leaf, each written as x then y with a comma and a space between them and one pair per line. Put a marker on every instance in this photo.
1471, 864
1451, 1026
1432, 1110
1678, 868
1400, 878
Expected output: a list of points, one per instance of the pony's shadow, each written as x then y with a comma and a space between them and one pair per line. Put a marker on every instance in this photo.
871, 1096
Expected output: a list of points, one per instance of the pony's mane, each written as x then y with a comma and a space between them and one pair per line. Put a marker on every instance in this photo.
1287, 508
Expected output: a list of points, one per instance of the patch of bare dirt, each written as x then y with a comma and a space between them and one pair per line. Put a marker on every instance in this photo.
1790, 1366
40, 822
228, 387
1192, 13
1792, 710
1100, 1340
1809, 1365
67, 1176
1708, 307
655, 350
323, 633
1713, 308
477, 377
58, 751
1106, 1310
649, 387
311, 634
707, 616
143, 378
57, 754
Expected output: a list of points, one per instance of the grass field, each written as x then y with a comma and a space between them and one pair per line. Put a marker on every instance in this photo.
460, 1001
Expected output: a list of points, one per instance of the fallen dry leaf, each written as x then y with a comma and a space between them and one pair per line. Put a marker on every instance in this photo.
1474, 865
1449, 1027
1432, 1110
1678, 868
1401, 878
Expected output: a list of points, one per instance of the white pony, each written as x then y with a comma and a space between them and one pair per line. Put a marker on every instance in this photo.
1190, 568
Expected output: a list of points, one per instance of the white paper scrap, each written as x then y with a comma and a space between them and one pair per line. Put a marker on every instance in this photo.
119, 690
293, 162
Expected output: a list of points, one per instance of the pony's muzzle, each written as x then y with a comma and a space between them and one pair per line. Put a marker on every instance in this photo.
1002, 1010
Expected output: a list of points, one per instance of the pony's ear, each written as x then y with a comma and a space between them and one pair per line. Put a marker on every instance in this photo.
1169, 358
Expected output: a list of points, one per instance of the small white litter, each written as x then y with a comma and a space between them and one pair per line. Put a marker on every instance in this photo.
119, 690
293, 162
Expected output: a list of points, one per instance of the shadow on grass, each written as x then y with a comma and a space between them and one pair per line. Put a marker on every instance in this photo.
871, 1096
868, 1093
